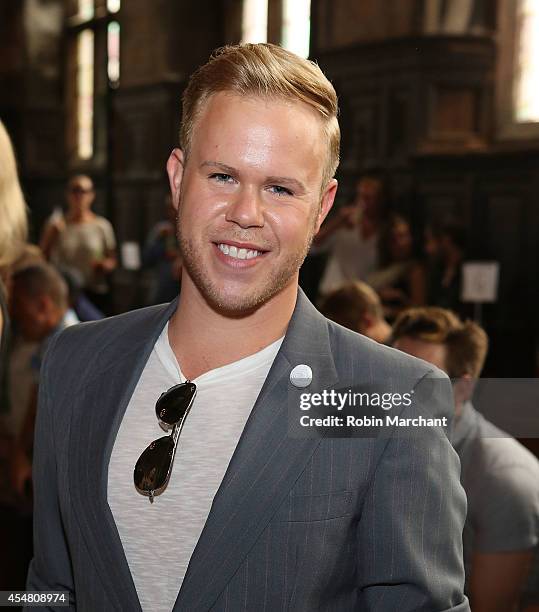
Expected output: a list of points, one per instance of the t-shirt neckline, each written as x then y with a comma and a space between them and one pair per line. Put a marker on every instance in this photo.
238, 368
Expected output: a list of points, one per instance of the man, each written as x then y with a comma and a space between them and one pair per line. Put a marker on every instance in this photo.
351, 236
500, 477
39, 308
162, 256
247, 517
357, 307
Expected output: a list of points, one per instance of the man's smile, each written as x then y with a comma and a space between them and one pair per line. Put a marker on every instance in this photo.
239, 254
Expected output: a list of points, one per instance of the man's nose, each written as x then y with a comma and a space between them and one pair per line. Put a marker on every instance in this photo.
246, 208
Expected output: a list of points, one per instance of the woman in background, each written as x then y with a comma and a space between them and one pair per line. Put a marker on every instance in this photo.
83, 241
401, 281
14, 533
13, 228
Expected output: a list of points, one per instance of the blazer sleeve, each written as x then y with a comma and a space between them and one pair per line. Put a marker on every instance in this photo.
409, 537
50, 569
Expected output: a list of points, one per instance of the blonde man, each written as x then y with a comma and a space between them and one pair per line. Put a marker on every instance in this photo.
228, 511
500, 477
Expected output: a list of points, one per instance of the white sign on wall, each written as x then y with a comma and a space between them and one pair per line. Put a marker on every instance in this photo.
480, 281
130, 255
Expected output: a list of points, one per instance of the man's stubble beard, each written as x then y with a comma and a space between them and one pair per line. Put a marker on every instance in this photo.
245, 304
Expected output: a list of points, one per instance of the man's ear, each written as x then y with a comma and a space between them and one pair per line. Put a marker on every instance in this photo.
367, 320
326, 203
43, 305
175, 167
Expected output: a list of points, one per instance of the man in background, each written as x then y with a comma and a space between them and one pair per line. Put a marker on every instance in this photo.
162, 256
500, 477
40, 309
357, 307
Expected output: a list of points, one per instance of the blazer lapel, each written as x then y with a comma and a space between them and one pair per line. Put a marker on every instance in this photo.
265, 464
96, 416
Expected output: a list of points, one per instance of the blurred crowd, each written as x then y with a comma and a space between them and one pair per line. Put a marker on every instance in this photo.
406, 266
382, 277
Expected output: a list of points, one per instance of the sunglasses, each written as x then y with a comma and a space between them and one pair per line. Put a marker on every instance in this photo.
81, 190
153, 468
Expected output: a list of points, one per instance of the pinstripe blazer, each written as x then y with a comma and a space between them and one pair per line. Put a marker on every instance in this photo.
297, 524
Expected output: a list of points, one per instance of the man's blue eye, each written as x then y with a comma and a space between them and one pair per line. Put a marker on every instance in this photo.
221, 177
277, 189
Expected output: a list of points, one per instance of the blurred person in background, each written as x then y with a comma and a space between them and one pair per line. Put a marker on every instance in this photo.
351, 236
500, 477
18, 358
357, 307
78, 302
84, 241
161, 254
13, 236
13, 222
401, 281
40, 309
36, 308
445, 249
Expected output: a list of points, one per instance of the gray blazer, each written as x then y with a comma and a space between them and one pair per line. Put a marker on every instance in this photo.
297, 524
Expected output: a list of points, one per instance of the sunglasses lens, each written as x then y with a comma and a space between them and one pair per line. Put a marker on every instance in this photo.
80, 190
172, 405
153, 467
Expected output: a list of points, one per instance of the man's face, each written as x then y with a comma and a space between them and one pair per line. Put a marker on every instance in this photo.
368, 196
30, 314
401, 241
433, 352
436, 353
80, 194
249, 198
431, 244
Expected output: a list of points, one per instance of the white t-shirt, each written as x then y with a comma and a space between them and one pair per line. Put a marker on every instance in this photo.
159, 538
80, 244
352, 258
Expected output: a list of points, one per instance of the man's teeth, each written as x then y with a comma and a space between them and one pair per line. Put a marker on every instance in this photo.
233, 251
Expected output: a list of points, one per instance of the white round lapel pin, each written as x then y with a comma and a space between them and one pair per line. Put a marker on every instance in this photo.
301, 376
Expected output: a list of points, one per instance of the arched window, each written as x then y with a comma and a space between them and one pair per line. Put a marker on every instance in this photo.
293, 23
518, 69
254, 27
93, 68
526, 85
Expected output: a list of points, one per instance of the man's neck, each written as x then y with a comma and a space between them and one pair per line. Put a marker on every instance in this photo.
379, 331
204, 339
49, 325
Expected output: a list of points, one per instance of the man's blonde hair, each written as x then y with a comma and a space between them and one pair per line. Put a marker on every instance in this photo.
266, 71
13, 220
466, 342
